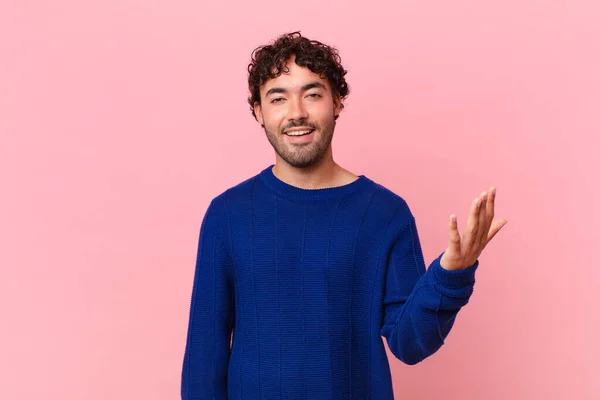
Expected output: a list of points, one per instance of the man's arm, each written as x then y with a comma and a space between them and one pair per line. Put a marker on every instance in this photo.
420, 306
211, 317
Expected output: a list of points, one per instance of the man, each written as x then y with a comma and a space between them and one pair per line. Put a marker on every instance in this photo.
309, 265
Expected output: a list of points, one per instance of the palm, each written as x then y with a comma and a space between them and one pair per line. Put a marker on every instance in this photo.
481, 228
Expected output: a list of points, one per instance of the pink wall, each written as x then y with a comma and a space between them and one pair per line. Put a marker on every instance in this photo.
120, 120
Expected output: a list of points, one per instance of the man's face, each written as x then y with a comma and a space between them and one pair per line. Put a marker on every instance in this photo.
298, 101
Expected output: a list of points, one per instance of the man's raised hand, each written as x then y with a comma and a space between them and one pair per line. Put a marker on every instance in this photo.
481, 228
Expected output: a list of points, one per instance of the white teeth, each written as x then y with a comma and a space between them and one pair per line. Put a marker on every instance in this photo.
297, 133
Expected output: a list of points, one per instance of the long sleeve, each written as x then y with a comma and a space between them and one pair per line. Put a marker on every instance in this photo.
211, 317
420, 306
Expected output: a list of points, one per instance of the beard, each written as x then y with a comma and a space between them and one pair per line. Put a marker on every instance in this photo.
303, 155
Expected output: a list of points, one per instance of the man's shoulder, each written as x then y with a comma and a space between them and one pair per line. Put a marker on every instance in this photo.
389, 197
388, 205
237, 191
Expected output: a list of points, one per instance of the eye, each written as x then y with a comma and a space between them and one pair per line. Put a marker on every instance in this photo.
316, 95
276, 100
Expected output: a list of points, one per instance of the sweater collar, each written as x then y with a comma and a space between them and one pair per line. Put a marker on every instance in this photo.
297, 193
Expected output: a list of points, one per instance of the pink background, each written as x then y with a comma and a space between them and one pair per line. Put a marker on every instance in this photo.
120, 120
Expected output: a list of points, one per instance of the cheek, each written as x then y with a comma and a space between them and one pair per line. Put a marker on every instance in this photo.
273, 119
321, 112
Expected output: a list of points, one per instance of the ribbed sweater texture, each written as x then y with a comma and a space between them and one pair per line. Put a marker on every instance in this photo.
295, 290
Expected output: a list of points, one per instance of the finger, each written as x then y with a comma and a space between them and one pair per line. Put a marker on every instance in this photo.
489, 214
453, 235
496, 226
482, 225
469, 236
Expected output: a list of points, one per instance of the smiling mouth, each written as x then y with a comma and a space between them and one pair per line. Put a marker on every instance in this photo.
299, 133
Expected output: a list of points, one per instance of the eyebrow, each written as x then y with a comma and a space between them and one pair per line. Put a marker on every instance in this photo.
303, 88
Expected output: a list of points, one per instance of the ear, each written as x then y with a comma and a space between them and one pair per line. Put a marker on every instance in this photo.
337, 108
258, 112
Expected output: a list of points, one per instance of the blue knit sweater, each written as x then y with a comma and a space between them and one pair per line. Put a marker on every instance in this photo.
308, 281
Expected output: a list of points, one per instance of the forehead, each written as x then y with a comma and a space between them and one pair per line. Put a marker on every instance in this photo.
294, 79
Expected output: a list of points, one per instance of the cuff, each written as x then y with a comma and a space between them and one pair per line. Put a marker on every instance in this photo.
456, 279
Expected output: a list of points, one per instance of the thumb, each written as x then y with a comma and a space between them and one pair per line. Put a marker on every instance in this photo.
453, 235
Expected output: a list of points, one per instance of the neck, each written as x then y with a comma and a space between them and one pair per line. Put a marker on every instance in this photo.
323, 174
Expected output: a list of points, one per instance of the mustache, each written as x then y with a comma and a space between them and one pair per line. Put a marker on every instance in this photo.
306, 125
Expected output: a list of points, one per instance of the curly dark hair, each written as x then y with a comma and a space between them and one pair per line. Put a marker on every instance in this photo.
268, 63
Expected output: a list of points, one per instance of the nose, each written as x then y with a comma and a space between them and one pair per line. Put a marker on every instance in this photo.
296, 110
